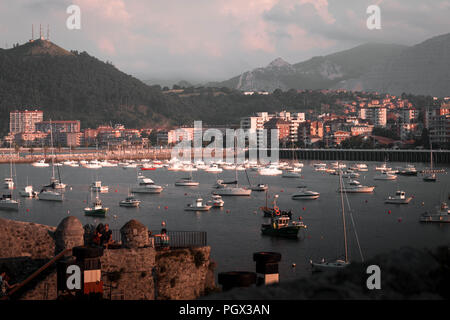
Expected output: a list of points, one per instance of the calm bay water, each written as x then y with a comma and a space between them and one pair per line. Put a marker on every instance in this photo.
234, 231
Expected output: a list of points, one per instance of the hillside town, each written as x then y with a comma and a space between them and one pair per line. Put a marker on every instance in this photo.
387, 121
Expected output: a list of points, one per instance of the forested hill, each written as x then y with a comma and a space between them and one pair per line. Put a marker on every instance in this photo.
72, 85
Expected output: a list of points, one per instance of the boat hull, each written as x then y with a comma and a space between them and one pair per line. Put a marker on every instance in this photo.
95, 212
286, 232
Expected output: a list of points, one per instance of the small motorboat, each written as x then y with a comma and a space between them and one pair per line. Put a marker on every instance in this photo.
260, 187
96, 186
305, 194
282, 226
130, 201
28, 192
223, 189
385, 176
146, 185
399, 198
97, 209
217, 201
408, 170
198, 205
40, 164
214, 168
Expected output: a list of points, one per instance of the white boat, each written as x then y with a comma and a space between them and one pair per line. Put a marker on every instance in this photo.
356, 189
338, 165
92, 165
40, 164
130, 201
408, 170
361, 167
383, 167
217, 201
385, 176
440, 215
130, 166
198, 205
187, 182
28, 192
319, 165
8, 203
223, 189
290, 174
50, 195
96, 186
9, 183
399, 198
175, 167
298, 165
339, 263
107, 164
271, 170
260, 187
305, 194
214, 168
146, 185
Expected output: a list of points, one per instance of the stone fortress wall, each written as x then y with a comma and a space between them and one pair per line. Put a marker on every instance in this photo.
133, 271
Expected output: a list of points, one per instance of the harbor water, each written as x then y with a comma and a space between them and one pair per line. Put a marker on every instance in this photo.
234, 231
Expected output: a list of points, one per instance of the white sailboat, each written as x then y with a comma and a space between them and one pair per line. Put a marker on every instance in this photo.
6, 201
431, 177
46, 193
339, 263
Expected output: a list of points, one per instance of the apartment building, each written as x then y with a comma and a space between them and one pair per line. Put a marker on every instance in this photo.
24, 121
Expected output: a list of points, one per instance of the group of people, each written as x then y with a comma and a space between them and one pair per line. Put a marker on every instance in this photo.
102, 236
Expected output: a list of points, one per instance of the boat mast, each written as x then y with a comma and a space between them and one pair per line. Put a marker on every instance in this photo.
51, 146
343, 215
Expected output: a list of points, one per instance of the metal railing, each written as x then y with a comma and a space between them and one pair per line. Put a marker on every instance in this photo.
177, 239
182, 239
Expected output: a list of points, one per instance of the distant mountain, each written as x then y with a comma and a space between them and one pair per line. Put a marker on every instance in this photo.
421, 69
315, 73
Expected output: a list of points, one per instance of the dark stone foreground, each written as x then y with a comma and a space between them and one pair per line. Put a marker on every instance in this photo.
405, 274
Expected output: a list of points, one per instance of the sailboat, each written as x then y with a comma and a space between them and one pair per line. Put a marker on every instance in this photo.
9, 181
6, 201
46, 193
188, 181
339, 263
432, 176
223, 188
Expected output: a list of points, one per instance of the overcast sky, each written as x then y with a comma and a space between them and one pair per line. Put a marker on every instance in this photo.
201, 40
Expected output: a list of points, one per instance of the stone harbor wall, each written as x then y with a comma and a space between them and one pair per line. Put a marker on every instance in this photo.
184, 273
129, 272
24, 239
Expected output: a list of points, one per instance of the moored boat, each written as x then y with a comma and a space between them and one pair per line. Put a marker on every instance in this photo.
399, 198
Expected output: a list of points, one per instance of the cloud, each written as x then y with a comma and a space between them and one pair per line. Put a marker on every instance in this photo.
217, 39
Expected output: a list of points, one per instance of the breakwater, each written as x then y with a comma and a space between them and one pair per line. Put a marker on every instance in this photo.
439, 156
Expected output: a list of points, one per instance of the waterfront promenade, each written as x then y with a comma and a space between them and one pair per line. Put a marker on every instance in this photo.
379, 155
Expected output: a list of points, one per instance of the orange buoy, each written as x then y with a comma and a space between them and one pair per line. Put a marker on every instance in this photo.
400, 219
228, 211
166, 207
300, 218
115, 190
389, 211
281, 190
304, 208
28, 210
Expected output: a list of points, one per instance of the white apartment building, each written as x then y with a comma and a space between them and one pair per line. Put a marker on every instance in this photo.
376, 115
24, 121
255, 124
